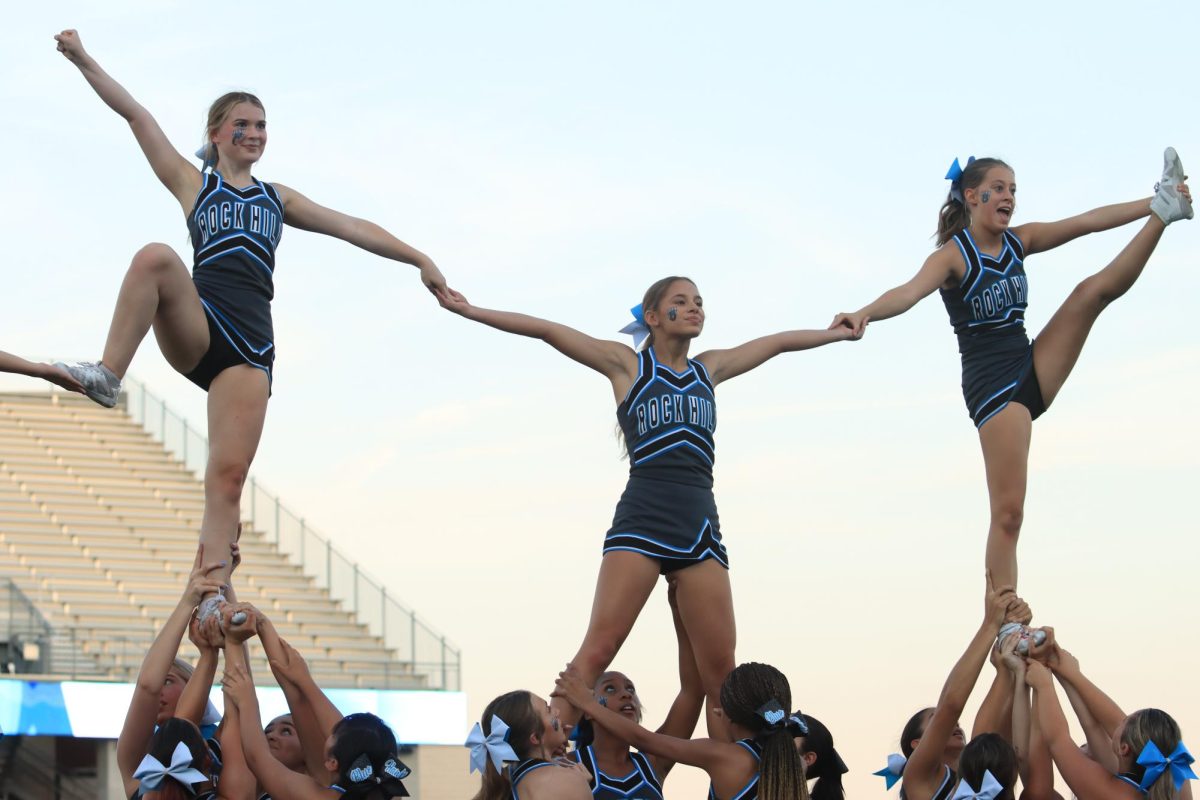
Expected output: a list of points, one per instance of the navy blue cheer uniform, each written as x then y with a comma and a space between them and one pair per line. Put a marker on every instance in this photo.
640, 784
667, 511
987, 310
945, 789
750, 790
517, 773
234, 235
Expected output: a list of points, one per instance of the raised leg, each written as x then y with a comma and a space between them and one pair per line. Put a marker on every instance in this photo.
1059, 344
157, 291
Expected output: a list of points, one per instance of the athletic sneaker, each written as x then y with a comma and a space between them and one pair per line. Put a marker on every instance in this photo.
99, 382
1027, 635
209, 606
1168, 203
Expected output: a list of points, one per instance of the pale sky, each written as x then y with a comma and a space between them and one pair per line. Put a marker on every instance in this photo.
557, 158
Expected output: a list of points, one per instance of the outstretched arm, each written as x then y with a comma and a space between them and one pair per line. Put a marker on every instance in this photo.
208, 639
996, 712
1104, 710
47, 372
943, 264
176, 173
300, 212
313, 714
725, 364
1041, 236
143, 707
275, 778
924, 767
1087, 778
613, 360
685, 711
707, 754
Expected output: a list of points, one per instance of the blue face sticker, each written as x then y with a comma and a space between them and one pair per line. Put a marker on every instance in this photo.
238, 135
603, 701
671, 314
983, 198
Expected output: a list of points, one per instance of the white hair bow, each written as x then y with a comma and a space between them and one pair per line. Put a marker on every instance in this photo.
151, 771
989, 788
495, 745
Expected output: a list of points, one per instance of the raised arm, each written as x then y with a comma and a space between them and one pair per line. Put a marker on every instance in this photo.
143, 706
613, 360
313, 714
996, 712
725, 364
942, 265
47, 372
1087, 778
275, 778
300, 212
1099, 740
179, 175
707, 754
1107, 714
1038, 237
924, 767
208, 639
685, 711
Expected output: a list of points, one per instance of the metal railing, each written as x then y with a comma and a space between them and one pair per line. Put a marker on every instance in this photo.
414, 641
30, 645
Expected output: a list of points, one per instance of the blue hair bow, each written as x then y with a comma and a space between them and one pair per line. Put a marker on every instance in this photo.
989, 789
495, 745
954, 175
894, 769
637, 329
1156, 764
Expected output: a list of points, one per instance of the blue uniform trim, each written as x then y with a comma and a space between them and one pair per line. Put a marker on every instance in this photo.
706, 545
945, 789
517, 774
750, 790
640, 784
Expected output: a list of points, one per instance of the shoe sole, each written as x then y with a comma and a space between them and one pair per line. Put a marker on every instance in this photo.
102, 399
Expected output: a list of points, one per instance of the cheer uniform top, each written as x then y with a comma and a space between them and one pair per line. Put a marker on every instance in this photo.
945, 789
234, 234
667, 511
987, 311
517, 774
640, 784
750, 790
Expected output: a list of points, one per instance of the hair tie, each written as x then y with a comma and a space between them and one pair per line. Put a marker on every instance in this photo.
205, 155
1179, 762
954, 175
894, 769
151, 772
495, 746
989, 788
637, 329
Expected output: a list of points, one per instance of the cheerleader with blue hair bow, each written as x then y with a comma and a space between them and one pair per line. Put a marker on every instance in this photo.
1152, 761
666, 522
